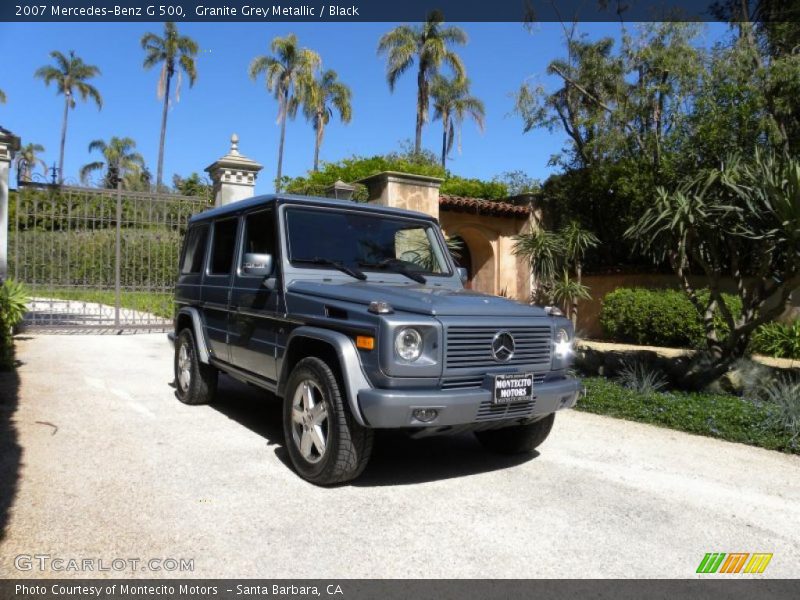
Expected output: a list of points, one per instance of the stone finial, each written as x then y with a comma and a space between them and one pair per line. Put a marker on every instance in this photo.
234, 175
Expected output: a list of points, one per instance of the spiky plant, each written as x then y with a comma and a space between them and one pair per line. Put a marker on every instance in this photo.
641, 378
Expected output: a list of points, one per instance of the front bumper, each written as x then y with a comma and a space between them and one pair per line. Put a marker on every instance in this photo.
390, 409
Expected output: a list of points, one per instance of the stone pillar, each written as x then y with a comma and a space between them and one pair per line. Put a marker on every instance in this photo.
404, 190
233, 175
9, 144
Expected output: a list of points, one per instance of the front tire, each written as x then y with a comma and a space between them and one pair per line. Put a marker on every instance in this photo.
325, 443
195, 383
518, 439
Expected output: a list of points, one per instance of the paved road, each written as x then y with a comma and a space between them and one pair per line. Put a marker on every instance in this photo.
130, 472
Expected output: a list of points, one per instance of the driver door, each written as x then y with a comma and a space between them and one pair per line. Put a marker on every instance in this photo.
254, 299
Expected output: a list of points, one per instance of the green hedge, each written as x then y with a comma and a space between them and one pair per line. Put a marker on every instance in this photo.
656, 317
148, 257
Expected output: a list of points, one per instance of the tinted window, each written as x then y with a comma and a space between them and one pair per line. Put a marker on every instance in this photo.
195, 250
224, 244
259, 233
364, 240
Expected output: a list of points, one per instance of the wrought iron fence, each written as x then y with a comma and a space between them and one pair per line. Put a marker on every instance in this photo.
97, 258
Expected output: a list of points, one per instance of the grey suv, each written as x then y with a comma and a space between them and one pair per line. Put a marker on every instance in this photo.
356, 317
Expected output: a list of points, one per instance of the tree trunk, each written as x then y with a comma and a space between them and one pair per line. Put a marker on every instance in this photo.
284, 113
318, 141
445, 120
422, 100
164, 110
573, 312
67, 97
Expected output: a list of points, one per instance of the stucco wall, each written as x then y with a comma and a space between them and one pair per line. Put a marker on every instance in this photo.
600, 285
491, 244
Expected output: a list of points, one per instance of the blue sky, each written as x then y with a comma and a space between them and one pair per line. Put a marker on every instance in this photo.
499, 57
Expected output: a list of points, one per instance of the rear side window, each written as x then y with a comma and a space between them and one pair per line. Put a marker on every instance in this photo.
223, 247
195, 250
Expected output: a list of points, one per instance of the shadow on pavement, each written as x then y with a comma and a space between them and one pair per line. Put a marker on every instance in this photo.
10, 451
396, 460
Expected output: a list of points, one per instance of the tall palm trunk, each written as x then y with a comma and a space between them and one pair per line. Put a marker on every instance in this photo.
284, 113
164, 110
422, 98
318, 142
445, 125
67, 97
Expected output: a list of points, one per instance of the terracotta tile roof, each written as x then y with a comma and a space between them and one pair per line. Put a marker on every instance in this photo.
482, 207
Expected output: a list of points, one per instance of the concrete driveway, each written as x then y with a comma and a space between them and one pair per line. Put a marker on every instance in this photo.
100, 461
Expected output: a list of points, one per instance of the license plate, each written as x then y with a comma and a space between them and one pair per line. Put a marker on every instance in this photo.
513, 388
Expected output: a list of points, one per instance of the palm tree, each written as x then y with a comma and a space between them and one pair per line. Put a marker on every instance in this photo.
451, 103
2, 97
428, 44
319, 100
120, 161
27, 160
70, 75
287, 74
176, 54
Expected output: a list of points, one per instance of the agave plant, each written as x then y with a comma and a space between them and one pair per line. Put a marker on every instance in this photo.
782, 394
13, 303
641, 378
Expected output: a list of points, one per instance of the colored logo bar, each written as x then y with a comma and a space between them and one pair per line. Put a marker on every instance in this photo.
734, 562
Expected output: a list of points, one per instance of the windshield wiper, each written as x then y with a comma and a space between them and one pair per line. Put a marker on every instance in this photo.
395, 266
318, 260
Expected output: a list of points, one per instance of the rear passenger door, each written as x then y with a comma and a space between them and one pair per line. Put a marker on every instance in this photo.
190, 276
254, 321
215, 296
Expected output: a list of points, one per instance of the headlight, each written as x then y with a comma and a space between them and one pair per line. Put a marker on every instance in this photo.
408, 344
563, 344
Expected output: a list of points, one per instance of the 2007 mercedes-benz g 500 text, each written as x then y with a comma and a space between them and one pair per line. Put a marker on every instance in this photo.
356, 316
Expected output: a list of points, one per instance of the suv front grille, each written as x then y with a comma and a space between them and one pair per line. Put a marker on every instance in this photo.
466, 383
470, 346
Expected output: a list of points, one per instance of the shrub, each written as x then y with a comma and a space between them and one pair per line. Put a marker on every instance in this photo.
781, 398
86, 258
777, 339
12, 308
657, 317
642, 378
716, 415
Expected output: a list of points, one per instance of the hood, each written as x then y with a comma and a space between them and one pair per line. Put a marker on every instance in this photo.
420, 299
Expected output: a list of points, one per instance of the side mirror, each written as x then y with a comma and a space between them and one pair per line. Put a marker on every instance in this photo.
463, 274
257, 264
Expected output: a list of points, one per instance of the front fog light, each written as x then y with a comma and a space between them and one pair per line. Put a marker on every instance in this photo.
408, 344
425, 415
563, 345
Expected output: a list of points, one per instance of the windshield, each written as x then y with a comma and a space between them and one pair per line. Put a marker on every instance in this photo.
363, 241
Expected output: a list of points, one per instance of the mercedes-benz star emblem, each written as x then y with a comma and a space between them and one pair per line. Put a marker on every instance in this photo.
503, 346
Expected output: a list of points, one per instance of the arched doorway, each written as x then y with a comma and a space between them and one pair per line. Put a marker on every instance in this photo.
477, 256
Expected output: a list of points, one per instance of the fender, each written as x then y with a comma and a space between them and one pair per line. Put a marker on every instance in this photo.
349, 363
199, 333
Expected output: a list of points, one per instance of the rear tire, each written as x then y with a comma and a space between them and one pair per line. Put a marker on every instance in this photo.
195, 382
518, 439
324, 441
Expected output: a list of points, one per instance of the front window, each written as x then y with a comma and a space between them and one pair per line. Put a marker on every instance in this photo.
364, 241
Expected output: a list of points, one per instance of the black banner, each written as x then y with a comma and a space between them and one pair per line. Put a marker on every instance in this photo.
384, 10
387, 589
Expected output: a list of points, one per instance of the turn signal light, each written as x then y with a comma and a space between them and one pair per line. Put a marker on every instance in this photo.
365, 342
